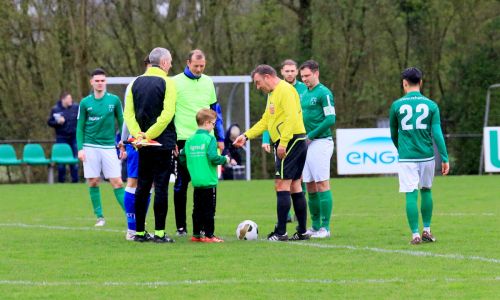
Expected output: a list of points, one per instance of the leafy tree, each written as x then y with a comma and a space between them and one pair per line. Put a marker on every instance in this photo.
47, 46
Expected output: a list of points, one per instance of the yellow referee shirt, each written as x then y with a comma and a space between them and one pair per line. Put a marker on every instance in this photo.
283, 115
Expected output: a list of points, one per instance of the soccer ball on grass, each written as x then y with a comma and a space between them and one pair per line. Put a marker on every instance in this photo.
247, 230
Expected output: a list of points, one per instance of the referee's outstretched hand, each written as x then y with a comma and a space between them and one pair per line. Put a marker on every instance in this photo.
240, 141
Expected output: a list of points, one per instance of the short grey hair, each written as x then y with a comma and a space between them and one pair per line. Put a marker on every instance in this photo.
263, 70
158, 54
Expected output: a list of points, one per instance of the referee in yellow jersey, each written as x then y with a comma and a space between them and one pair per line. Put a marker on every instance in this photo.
283, 120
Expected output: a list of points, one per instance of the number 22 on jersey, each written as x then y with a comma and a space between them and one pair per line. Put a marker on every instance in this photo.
421, 111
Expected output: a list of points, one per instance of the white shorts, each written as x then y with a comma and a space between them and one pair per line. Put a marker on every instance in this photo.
99, 159
413, 176
319, 154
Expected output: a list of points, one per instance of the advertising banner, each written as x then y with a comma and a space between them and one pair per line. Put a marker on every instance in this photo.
491, 149
365, 151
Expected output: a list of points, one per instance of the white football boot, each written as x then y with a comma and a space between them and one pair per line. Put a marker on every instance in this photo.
129, 236
322, 233
100, 222
311, 232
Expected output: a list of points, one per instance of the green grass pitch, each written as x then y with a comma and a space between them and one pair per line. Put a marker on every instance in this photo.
50, 249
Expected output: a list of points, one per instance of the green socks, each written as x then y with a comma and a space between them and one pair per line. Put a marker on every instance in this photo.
320, 208
160, 233
426, 206
412, 210
315, 210
119, 194
326, 204
95, 197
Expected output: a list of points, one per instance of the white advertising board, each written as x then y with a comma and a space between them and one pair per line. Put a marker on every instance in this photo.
365, 151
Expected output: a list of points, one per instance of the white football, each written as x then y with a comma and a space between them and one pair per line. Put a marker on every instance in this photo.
247, 230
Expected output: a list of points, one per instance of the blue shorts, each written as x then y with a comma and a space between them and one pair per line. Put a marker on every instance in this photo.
132, 161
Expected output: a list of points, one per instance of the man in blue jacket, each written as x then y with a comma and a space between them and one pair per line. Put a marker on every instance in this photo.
63, 118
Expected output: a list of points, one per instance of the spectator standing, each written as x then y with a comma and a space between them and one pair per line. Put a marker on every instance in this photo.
63, 118
229, 149
230, 171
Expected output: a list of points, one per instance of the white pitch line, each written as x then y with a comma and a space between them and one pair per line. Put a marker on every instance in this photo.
405, 252
241, 281
314, 245
460, 214
21, 225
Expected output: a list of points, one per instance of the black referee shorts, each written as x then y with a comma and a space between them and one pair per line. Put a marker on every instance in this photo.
292, 165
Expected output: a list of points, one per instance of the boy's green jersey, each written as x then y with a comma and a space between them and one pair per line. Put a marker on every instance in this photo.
318, 111
200, 155
414, 120
96, 121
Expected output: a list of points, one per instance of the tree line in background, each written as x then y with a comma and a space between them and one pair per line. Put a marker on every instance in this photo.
47, 46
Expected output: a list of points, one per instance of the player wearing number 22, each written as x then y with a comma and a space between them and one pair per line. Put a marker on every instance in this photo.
414, 121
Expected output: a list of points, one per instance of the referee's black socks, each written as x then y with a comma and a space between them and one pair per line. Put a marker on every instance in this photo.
283, 206
300, 208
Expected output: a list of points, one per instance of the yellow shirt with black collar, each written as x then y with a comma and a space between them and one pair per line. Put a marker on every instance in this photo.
283, 115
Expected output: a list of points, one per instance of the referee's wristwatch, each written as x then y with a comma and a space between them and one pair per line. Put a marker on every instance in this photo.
246, 137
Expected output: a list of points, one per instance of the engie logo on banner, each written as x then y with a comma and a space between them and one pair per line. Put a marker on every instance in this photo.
491, 149
366, 151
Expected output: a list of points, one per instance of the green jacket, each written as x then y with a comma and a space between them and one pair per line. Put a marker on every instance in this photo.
201, 157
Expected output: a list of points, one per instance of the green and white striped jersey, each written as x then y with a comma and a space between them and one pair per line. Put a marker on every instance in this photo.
414, 119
